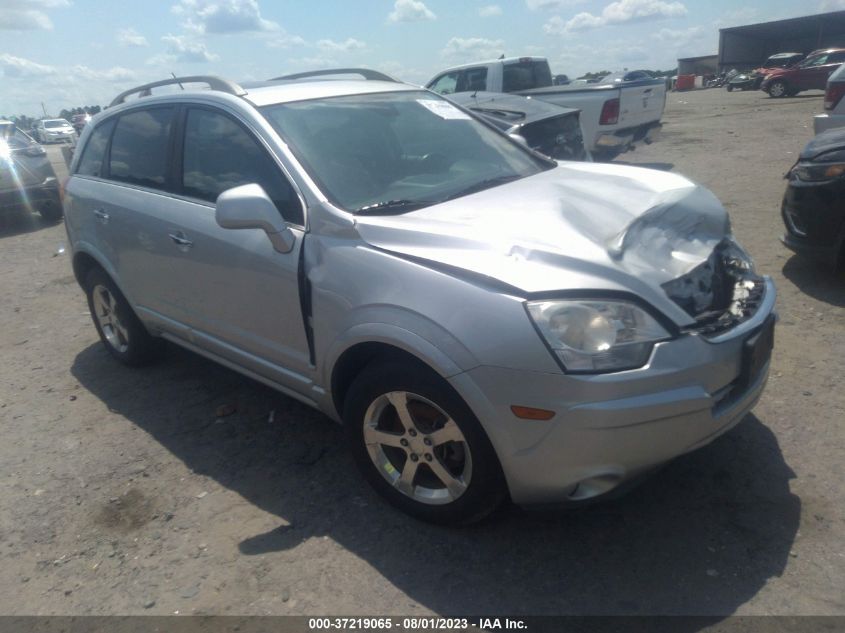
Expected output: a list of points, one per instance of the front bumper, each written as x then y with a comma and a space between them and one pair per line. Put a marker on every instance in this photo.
621, 140
814, 216
51, 137
610, 428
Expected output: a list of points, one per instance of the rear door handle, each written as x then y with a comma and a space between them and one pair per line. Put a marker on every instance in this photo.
180, 240
101, 215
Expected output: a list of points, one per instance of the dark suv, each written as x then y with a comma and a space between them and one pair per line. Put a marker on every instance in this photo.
811, 74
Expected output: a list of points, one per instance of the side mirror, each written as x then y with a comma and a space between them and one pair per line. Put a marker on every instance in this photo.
249, 207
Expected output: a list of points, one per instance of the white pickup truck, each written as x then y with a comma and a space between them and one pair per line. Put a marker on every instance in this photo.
616, 113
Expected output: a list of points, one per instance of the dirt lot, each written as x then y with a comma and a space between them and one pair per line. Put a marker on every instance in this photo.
122, 491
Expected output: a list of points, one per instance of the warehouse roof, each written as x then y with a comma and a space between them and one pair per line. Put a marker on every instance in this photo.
806, 26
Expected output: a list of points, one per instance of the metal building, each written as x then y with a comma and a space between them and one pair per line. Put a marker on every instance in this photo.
745, 47
704, 65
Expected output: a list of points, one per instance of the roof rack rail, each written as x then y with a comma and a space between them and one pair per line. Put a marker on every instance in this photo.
215, 83
366, 73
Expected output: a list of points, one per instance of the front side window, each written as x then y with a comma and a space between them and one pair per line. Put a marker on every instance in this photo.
812, 62
220, 154
446, 84
91, 163
393, 152
140, 147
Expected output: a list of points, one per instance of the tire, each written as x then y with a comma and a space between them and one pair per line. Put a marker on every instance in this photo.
730, 88
50, 210
778, 89
120, 330
433, 461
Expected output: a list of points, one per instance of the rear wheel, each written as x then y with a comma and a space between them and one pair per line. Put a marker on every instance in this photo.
778, 89
420, 446
123, 334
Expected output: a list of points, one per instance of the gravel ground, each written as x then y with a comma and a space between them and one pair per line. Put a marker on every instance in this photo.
137, 491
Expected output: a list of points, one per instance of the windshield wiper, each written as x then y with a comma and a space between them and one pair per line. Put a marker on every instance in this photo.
388, 207
482, 185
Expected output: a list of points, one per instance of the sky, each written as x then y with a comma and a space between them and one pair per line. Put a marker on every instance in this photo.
69, 53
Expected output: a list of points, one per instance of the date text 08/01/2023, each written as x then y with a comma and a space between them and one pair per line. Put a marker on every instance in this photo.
416, 624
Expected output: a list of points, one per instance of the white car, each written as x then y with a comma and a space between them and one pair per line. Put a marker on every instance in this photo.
53, 130
834, 104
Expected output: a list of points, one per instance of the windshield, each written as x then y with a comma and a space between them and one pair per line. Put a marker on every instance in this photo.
397, 151
56, 123
13, 138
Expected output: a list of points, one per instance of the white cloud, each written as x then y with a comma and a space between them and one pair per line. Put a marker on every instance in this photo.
19, 67
286, 40
472, 48
679, 37
181, 48
351, 44
490, 11
115, 74
410, 11
223, 16
131, 37
27, 15
536, 5
831, 5
618, 12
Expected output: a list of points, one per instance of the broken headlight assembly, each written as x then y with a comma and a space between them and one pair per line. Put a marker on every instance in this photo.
825, 167
596, 336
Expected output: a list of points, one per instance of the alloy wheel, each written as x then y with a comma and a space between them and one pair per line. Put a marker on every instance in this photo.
417, 447
105, 311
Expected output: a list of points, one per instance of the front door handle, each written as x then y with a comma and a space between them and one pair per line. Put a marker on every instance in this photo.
101, 215
180, 240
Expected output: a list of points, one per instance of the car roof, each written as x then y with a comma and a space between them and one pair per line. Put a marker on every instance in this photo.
780, 55
272, 92
299, 87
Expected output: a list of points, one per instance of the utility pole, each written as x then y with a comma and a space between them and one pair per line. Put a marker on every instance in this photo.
44, 109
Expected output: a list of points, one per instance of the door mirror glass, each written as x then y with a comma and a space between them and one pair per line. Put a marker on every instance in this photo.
249, 207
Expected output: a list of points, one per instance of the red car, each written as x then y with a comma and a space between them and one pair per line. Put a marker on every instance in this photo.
810, 74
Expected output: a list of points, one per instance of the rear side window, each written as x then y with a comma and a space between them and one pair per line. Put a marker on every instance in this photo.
139, 148
836, 58
525, 76
91, 163
220, 154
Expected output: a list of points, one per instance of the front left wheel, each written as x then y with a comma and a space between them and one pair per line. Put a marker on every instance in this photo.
420, 446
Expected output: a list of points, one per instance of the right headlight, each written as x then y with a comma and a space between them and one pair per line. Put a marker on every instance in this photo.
597, 336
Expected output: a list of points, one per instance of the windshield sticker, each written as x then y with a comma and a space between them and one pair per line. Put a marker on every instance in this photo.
443, 109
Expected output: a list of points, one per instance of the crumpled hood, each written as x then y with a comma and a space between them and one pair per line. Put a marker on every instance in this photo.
580, 225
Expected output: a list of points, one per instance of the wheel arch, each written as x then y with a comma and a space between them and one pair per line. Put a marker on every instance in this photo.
367, 343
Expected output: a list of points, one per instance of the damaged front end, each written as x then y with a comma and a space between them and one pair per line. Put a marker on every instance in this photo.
720, 293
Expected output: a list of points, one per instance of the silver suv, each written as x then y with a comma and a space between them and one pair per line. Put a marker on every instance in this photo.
486, 322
